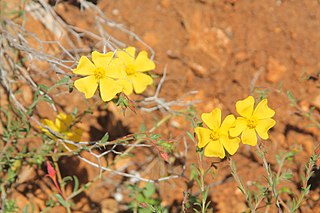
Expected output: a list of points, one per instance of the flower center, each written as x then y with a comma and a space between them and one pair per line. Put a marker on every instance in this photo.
99, 73
252, 122
214, 135
130, 69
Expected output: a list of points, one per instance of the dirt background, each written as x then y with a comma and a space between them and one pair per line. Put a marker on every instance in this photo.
225, 50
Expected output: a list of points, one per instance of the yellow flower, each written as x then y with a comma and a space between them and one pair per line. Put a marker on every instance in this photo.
216, 139
62, 126
104, 71
253, 121
135, 68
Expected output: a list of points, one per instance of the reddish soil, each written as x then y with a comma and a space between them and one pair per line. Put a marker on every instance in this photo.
225, 50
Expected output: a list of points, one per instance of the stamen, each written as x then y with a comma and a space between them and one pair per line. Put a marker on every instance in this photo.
252, 122
130, 69
99, 73
214, 135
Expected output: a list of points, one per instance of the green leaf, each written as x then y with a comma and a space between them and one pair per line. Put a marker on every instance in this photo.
63, 80
285, 190
190, 135
43, 87
105, 138
149, 190
61, 200
291, 98
155, 136
76, 184
143, 128
47, 99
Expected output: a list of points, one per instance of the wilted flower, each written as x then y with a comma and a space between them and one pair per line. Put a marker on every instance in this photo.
63, 126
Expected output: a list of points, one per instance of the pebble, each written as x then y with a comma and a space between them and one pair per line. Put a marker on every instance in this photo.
165, 3
27, 174
27, 94
304, 105
151, 39
275, 70
316, 101
241, 57
109, 206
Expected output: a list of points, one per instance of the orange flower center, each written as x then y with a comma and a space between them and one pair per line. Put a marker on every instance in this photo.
99, 73
130, 70
252, 122
214, 135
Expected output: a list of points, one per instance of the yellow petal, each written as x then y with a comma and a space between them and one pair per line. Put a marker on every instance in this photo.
88, 85
109, 89
227, 123
127, 55
203, 136
115, 69
69, 136
127, 87
262, 110
101, 59
212, 119
263, 127
214, 149
140, 81
76, 135
85, 67
230, 144
143, 63
131, 51
63, 122
240, 125
249, 137
245, 107
51, 125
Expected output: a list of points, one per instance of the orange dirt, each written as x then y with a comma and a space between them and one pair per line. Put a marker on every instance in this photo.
225, 50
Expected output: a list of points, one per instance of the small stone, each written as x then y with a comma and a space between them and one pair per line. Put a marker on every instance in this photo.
165, 3
175, 124
275, 70
315, 196
238, 191
304, 105
115, 12
241, 56
197, 69
104, 193
316, 102
27, 94
21, 201
150, 38
308, 146
27, 174
173, 54
109, 206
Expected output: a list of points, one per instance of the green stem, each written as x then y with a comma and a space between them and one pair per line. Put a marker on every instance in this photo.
162, 121
240, 185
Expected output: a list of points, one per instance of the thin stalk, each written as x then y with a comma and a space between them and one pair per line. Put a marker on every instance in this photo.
271, 183
162, 121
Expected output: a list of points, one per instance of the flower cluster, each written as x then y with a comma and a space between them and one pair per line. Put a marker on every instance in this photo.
219, 136
114, 73
63, 126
